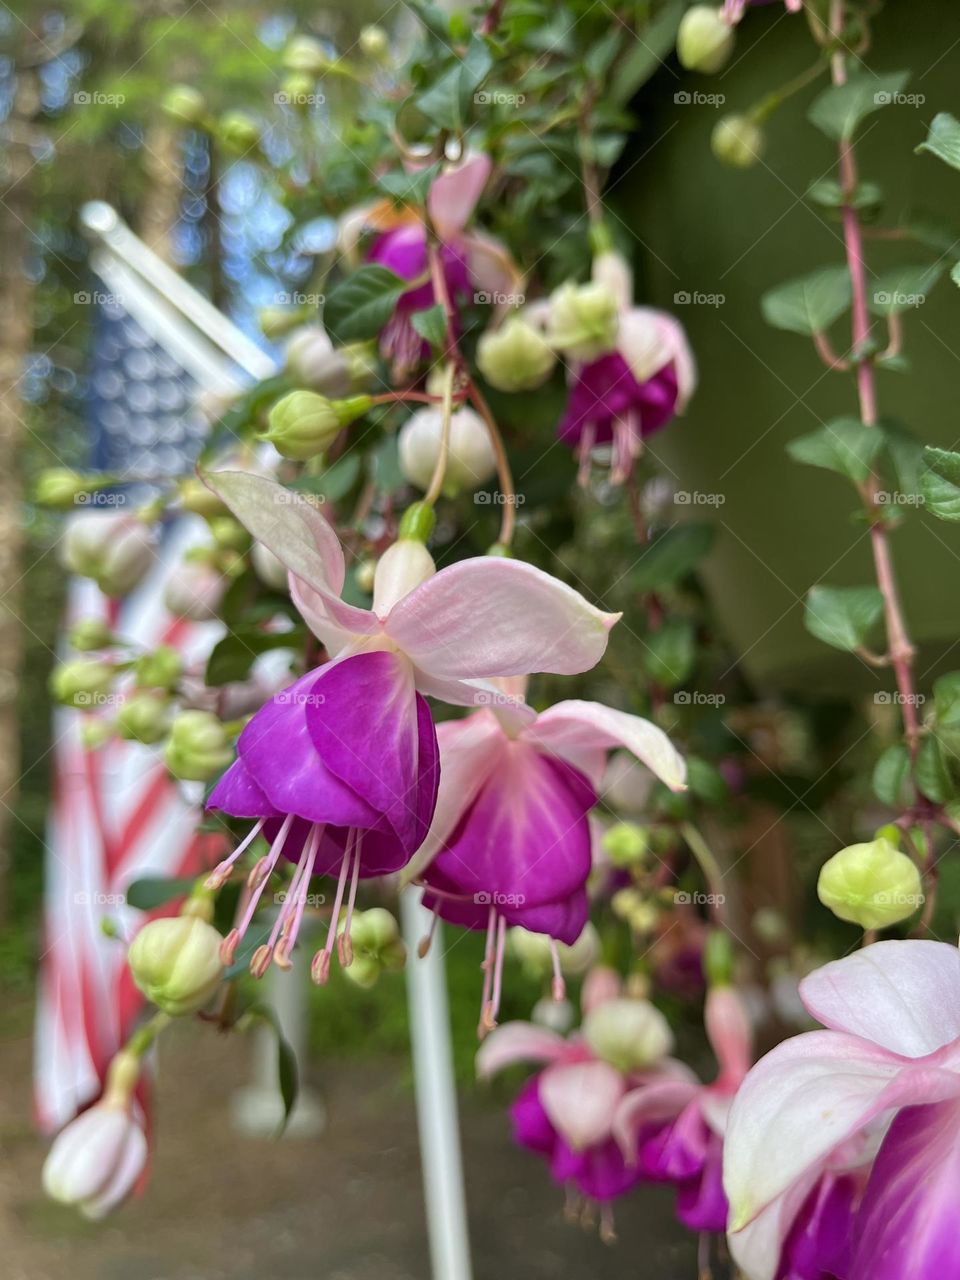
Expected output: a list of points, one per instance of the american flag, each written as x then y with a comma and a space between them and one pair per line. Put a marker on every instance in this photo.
116, 814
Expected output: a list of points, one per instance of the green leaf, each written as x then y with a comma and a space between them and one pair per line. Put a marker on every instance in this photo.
706, 781
669, 654
839, 110
828, 193
891, 776
809, 304
431, 325
842, 616
932, 774
359, 307
234, 655
955, 273
943, 140
409, 188
334, 482
946, 706
845, 445
447, 101
904, 287
905, 452
671, 556
940, 483
149, 892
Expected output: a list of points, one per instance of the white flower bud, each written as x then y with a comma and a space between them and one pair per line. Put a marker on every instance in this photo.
515, 357
114, 550
96, 1159
195, 591
470, 456
312, 361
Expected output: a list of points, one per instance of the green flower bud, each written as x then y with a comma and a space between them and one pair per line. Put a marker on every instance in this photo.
303, 424
306, 54
417, 522
515, 357
534, 952
626, 844
196, 497
91, 633
737, 141
83, 683
143, 718
238, 131
160, 669
873, 885
718, 958
94, 733
114, 550
583, 320
374, 930
184, 104
705, 39
374, 42
629, 1034
364, 971
199, 747
229, 533
299, 89
176, 963
276, 322
60, 487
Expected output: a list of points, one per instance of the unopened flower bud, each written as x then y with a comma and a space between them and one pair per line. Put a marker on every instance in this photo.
625, 844
159, 669
374, 930
470, 456
534, 952
373, 41
195, 591
143, 718
629, 1034
376, 945
83, 683
583, 320
299, 89
557, 1015
400, 569
199, 747
96, 1159
705, 39
60, 487
515, 357
303, 424
269, 568
114, 550
95, 733
91, 633
196, 497
275, 322
184, 104
238, 131
872, 884
229, 534
313, 361
304, 53
176, 963
737, 141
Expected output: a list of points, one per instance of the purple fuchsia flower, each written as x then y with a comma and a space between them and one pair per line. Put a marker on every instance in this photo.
624, 394
473, 263
566, 1113
808, 1197
340, 770
672, 1130
510, 842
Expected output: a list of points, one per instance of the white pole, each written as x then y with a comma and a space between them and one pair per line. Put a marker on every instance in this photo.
436, 1096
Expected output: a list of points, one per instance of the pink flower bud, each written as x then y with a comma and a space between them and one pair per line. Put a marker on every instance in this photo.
95, 1161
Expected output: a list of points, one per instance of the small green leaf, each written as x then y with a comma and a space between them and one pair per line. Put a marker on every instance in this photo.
431, 325
891, 776
904, 287
845, 445
669, 654
447, 102
842, 616
809, 304
932, 774
946, 706
905, 452
149, 892
671, 556
940, 483
839, 110
334, 482
409, 188
943, 140
360, 306
706, 781
828, 193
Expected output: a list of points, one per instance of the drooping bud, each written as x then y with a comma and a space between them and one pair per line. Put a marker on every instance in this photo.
96, 1159
176, 963
583, 320
515, 357
114, 550
184, 104
400, 569
303, 424
312, 361
626, 844
737, 141
159, 669
238, 131
629, 1034
195, 591
90, 634
470, 456
199, 747
269, 568
873, 884
84, 683
143, 718
304, 53
705, 39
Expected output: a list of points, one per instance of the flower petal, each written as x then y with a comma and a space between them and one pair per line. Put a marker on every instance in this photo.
903, 995
650, 1104
730, 1034
803, 1100
581, 1099
454, 194
490, 617
577, 726
298, 534
514, 1042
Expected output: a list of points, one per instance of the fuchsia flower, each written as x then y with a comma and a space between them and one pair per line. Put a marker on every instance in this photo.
340, 769
632, 390
510, 842
473, 263
808, 1198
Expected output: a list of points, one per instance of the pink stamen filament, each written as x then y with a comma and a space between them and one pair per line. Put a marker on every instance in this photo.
345, 944
221, 873
300, 891
426, 942
230, 943
559, 987
487, 967
498, 971
320, 969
